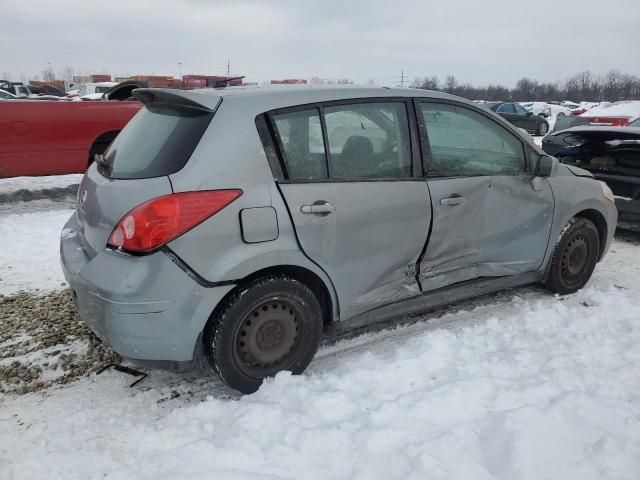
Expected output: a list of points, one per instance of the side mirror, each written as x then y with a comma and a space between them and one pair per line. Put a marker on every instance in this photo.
546, 166
529, 114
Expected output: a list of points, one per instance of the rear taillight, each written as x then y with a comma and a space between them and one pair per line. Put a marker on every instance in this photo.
609, 121
160, 220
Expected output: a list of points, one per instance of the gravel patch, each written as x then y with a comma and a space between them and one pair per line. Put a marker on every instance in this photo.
43, 342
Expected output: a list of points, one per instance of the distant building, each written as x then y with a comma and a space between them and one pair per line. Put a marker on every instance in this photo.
289, 81
100, 77
203, 81
157, 81
82, 79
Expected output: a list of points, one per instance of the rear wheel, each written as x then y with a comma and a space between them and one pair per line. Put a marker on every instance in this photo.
574, 257
272, 324
542, 129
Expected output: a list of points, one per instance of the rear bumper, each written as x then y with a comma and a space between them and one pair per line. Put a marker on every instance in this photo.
145, 308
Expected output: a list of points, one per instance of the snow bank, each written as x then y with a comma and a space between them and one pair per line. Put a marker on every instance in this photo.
525, 386
629, 108
10, 185
30, 257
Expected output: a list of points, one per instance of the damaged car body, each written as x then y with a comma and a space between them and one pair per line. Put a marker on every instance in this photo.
612, 155
237, 226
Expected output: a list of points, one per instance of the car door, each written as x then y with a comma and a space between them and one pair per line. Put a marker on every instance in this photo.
508, 112
360, 211
488, 219
528, 120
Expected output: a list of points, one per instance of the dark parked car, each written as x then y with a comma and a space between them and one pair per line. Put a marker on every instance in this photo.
21, 90
612, 154
517, 115
46, 90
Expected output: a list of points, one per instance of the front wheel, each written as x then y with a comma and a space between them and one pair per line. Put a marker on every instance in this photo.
271, 324
542, 129
574, 257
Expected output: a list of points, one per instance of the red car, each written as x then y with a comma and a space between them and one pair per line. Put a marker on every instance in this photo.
57, 137
618, 114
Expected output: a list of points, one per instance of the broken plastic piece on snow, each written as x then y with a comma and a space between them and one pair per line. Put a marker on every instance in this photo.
127, 370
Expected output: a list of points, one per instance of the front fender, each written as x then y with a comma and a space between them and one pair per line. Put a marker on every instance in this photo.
574, 196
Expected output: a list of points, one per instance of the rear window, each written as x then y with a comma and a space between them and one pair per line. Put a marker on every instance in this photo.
158, 141
568, 121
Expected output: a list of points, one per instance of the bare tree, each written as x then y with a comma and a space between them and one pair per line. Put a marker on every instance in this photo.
583, 86
67, 74
612, 85
450, 84
6, 75
526, 89
48, 75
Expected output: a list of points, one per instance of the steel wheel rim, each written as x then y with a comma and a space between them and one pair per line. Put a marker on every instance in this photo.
575, 257
543, 128
268, 336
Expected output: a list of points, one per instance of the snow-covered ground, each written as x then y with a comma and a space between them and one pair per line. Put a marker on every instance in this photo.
522, 385
30, 257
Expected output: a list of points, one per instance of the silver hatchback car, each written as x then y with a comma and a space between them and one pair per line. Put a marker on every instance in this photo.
239, 225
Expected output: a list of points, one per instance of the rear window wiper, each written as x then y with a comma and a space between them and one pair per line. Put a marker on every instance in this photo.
105, 166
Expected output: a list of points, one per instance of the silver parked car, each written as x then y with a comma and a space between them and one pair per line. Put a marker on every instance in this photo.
238, 225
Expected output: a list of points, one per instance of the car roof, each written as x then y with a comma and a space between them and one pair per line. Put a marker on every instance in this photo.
282, 96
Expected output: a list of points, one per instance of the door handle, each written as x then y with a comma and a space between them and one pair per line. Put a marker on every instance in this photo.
455, 199
320, 207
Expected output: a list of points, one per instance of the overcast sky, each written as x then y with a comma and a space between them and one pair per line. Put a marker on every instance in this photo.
479, 41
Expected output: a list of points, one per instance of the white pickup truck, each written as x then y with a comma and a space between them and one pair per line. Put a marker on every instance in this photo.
91, 91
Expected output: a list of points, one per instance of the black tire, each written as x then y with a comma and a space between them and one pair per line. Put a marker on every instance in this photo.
575, 256
543, 129
271, 324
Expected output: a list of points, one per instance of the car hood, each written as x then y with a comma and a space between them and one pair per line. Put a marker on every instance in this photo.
578, 172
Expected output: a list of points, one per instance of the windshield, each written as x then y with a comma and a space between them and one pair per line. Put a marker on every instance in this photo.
635, 123
158, 141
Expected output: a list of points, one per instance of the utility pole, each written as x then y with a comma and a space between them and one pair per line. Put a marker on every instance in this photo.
180, 69
402, 77
228, 68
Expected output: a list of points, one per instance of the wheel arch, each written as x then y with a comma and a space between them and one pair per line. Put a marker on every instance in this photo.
317, 285
600, 222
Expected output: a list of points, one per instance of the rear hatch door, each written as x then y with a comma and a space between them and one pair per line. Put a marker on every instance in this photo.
156, 143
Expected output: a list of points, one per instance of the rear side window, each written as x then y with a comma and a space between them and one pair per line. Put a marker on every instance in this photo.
300, 137
364, 140
506, 108
158, 141
368, 140
464, 142
520, 110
